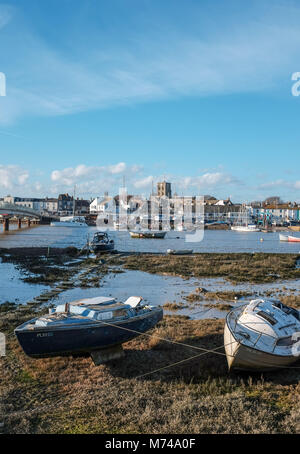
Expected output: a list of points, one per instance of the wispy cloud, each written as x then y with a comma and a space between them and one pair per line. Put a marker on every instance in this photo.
252, 55
280, 184
78, 174
12, 176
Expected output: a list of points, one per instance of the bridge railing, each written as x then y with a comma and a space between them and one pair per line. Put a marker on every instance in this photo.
11, 208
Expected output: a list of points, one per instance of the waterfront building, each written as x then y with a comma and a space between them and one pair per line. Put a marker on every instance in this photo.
65, 204
27, 202
51, 205
82, 207
284, 212
100, 204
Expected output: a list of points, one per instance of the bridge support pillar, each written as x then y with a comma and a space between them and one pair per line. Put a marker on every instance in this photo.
6, 224
19, 223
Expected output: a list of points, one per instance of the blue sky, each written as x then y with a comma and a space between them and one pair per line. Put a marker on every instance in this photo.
195, 92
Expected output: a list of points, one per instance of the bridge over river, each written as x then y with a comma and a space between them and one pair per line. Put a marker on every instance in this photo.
21, 214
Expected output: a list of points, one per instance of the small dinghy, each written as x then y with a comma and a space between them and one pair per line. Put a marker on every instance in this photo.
101, 242
283, 237
179, 251
289, 238
96, 326
147, 234
261, 336
293, 239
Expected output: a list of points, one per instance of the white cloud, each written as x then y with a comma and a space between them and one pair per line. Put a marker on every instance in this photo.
251, 55
6, 13
12, 176
297, 184
144, 182
92, 179
118, 168
209, 181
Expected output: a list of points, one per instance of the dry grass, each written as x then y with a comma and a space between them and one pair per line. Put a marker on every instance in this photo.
257, 267
174, 306
291, 300
65, 395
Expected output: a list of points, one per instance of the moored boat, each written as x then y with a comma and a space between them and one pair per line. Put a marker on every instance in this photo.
293, 239
261, 336
245, 228
283, 237
70, 221
147, 234
179, 251
289, 238
101, 242
97, 326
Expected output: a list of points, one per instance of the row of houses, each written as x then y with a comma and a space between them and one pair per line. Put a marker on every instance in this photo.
207, 208
63, 205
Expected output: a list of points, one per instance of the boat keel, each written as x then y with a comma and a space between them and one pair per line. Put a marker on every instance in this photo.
107, 354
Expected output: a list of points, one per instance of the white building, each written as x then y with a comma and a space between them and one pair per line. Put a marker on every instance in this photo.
100, 205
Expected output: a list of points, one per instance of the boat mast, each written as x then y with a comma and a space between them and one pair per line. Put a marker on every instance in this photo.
74, 201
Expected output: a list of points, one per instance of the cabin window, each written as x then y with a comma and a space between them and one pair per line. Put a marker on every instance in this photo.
267, 317
286, 341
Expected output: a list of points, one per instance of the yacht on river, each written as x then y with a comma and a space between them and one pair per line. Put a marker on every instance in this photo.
70, 221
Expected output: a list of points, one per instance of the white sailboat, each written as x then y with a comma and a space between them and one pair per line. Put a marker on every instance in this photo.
262, 335
242, 224
70, 221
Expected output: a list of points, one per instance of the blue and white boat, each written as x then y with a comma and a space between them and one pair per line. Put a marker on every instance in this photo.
97, 326
101, 242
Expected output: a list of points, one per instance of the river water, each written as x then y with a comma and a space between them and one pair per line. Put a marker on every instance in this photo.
213, 240
155, 289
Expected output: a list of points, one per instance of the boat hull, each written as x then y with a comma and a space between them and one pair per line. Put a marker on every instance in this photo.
147, 234
283, 237
180, 252
293, 239
47, 341
102, 247
240, 228
68, 224
241, 357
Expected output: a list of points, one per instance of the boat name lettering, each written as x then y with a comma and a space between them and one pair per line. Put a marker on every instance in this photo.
44, 334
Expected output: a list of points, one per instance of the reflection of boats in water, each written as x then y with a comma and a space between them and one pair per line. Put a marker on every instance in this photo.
289, 238
101, 242
96, 326
261, 335
70, 221
147, 234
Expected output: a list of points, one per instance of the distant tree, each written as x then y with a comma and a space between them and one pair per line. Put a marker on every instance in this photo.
275, 200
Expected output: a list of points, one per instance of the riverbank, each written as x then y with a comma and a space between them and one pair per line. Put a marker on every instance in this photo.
140, 394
